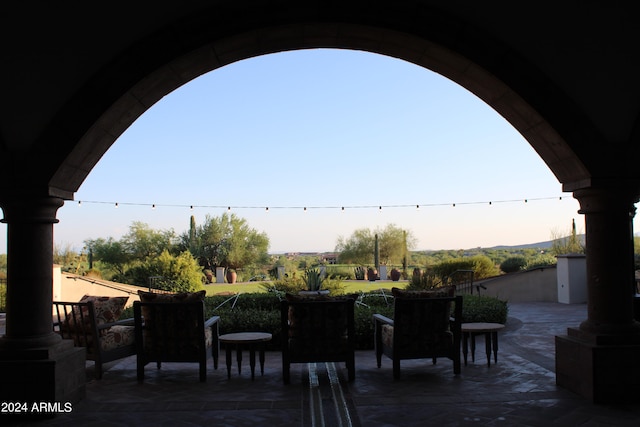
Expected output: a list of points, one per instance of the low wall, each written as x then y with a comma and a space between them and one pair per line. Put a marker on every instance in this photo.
537, 285
72, 288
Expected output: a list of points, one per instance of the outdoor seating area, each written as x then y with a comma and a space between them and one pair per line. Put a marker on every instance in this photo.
93, 323
519, 390
317, 330
426, 325
172, 328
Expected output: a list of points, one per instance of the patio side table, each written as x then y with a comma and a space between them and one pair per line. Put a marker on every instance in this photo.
490, 332
250, 340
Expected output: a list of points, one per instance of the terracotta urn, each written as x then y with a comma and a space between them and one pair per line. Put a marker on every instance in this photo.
231, 276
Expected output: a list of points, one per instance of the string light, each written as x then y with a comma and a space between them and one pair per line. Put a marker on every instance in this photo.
307, 208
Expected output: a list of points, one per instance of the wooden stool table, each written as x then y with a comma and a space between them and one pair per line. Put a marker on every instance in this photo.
251, 340
490, 331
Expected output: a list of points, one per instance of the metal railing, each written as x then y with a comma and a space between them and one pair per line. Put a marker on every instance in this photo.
463, 280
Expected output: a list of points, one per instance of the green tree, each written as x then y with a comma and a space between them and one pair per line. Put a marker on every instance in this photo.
136, 247
3, 266
360, 246
142, 242
227, 241
64, 255
178, 273
392, 244
110, 252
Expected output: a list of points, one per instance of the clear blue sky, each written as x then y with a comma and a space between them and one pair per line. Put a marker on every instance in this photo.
324, 129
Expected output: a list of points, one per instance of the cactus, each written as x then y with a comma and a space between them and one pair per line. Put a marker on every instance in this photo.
313, 278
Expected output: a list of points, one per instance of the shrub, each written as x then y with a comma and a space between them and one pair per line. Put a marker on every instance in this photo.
478, 308
542, 260
513, 264
481, 265
427, 279
261, 312
179, 273
364, 327
297, 283
93, 273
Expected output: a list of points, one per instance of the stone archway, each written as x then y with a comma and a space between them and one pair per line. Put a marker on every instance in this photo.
49, 151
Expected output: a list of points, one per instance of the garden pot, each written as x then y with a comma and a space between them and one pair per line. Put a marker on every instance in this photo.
313, 293
231, 276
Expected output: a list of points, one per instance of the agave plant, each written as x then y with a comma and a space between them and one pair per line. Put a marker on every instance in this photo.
313, 279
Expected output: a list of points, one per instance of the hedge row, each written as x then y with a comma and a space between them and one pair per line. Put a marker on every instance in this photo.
261, 312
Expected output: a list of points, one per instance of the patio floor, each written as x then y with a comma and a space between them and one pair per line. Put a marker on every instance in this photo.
519, 390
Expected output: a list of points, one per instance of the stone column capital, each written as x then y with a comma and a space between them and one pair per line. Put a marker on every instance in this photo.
607, 199
37, 210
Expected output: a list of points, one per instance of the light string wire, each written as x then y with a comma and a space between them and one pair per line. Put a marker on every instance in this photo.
305, 208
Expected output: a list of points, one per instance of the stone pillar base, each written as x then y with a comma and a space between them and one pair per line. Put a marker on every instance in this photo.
53, 378
603, 369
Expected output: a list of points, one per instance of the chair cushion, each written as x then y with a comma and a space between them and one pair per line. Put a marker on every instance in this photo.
107, 310
110, 339
411, 345
118, 336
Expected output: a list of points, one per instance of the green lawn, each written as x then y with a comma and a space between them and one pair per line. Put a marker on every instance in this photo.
351, 286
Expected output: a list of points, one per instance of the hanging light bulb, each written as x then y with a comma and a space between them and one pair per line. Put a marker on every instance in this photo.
153, 206
116, 205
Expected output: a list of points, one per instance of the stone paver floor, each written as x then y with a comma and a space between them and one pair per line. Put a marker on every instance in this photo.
519, 390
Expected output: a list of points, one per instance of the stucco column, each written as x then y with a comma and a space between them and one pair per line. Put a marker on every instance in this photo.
29, 272
609, 216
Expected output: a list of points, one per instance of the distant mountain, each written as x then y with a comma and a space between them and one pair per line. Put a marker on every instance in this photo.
540, 245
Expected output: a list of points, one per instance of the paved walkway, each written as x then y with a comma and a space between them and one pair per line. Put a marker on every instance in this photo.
519, 390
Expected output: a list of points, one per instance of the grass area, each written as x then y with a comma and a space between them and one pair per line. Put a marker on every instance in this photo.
350, 286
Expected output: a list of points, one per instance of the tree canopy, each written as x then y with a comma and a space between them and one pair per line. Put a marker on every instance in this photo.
359, 248
226, 241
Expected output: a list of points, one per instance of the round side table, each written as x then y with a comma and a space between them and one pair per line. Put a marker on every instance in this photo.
250, 340
490, 332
